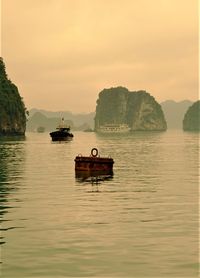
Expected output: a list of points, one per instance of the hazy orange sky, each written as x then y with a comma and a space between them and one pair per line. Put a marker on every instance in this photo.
62, 53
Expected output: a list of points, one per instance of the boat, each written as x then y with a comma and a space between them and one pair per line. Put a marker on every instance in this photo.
62, 133
93, 163
41, 129
114, 128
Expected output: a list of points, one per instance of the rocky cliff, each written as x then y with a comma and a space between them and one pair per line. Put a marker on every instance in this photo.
191, 121
137, 109
12, 109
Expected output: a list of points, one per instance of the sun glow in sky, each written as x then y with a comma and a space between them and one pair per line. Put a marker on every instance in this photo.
62, 53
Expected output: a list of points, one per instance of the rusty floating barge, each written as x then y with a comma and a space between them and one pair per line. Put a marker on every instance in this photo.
93, 162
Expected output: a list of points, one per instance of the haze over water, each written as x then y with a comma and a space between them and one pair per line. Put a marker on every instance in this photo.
141, 222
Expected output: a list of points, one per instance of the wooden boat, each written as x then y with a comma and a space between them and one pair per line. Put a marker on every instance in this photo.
41, 129
62, 133
93, 162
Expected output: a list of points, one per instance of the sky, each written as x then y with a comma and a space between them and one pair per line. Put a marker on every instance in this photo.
62, 53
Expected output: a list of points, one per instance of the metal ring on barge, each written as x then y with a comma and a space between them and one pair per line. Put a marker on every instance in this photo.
94, 154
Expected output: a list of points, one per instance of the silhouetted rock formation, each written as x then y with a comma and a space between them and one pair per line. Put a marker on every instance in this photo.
12, 109
138, 110
191, 121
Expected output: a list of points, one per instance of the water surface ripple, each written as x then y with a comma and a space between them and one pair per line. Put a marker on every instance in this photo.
140, 222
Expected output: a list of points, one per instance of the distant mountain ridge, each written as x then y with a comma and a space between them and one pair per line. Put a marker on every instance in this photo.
50, 119
78, 119
38, 119
174, 114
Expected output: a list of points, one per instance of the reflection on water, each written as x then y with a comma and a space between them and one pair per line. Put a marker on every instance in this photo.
93, 176
17, 138
144, 222
12, 157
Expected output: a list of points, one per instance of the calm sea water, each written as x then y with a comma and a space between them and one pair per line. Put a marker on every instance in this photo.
141, 222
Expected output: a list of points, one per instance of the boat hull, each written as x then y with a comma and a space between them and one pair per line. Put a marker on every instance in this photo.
61, 136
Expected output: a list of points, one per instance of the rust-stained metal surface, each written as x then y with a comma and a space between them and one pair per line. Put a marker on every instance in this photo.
93, 162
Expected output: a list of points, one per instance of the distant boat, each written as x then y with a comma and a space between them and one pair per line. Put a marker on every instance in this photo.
88, 130
40, 129
62, 133
114, 128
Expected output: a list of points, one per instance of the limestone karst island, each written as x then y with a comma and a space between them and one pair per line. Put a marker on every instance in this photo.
137, 110
117, 109
12, 108
191, 121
